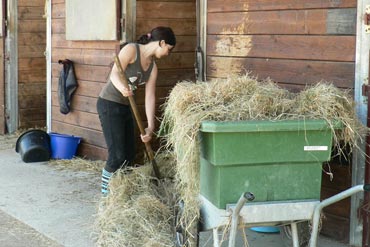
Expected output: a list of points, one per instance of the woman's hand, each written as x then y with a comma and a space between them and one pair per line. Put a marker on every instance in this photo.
126, 92
148, 135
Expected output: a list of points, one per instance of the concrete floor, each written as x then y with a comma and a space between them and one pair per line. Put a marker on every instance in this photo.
41, 205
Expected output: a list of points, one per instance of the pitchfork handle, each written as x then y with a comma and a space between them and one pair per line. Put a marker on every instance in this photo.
137, 118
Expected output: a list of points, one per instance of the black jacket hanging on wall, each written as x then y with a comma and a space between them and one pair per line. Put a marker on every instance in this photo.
67, 85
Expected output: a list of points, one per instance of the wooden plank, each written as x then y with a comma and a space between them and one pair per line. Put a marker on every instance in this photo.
78, 103
58, 1
25, 39
166, 78
341, 208
29, 51
84, 56
173, 10
92, 152
92, 137
27, 124
77, 118
179, 26
59, 41
317, 21
166, 1
31, 101
32, 115
58, 11
254, 5
185, 43
183, 60
31, 63
32, 89
84, 72
171, 77
31, 26
85, 88
300, 72
31, 3
341, 21
30, 13
341, 177
58, 26
329, 48
32, 76
335, 227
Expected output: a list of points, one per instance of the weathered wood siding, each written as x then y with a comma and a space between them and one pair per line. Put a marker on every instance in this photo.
295, 43
31, 63
91, 62
181, 17
92, 59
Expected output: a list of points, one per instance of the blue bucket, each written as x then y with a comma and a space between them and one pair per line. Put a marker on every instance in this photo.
266, 229
63, 146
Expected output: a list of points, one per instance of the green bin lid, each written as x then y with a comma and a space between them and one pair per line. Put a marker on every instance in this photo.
264, 125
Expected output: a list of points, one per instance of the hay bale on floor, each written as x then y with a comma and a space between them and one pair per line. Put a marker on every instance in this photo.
138, 210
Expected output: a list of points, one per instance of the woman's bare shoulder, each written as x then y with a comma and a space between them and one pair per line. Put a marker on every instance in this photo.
128, 53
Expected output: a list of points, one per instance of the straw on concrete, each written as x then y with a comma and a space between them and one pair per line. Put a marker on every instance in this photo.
138, 210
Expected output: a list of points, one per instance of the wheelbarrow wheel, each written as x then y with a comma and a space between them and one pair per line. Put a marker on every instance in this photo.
303, 229
182, 237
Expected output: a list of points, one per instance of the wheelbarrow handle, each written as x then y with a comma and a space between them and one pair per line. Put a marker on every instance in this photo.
367, 187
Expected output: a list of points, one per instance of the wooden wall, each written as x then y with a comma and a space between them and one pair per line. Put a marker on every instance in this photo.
181, 17
31, 63
91, 62
295, 43
92, 59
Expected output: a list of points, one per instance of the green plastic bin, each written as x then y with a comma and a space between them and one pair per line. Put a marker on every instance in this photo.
276, 161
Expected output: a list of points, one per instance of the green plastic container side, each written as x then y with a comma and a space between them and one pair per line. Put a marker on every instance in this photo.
268, 182
276, 161
253, 142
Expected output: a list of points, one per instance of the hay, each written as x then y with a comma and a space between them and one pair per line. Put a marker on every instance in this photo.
138, 210
334, 105
78, 164
244, 98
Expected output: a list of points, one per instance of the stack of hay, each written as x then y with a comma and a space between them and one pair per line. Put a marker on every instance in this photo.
231, 99
245, 98
138, 208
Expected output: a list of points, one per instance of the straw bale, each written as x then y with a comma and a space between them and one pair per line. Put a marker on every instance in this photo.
137, 210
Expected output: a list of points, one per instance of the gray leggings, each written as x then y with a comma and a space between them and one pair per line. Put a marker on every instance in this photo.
118, 129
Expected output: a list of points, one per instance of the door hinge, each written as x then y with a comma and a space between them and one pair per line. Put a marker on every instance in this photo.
367, 19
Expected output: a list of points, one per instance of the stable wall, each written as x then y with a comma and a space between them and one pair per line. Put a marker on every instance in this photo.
92, 60
295, 43
31, 64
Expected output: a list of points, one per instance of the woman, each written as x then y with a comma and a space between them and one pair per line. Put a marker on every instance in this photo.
137, 60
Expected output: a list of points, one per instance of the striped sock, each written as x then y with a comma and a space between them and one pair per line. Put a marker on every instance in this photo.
105, 181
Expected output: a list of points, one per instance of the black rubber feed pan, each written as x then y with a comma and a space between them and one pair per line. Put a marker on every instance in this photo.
34, 146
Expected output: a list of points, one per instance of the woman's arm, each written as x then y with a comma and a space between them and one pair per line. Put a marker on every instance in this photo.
150, 104
126, 56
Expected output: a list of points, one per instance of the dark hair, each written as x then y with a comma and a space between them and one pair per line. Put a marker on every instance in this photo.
158, 34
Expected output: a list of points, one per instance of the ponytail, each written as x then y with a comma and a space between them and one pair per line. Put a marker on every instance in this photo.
158, 34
